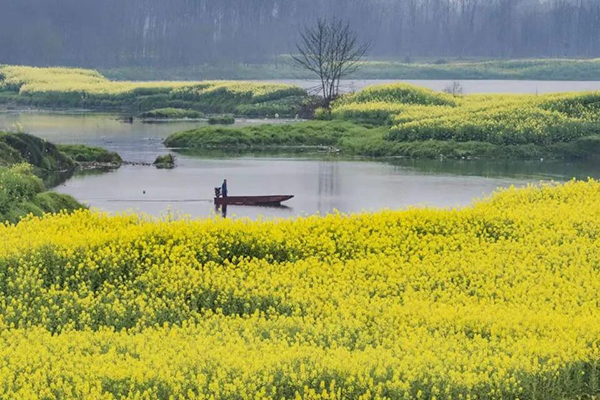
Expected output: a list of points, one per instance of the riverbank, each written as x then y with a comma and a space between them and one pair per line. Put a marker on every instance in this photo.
401, 120
439, 68
44, 156
23, 193
88, 157
72, 88
354, 139
26, 159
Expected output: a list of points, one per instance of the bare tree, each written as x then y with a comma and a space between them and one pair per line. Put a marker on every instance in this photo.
455, 89
331, 50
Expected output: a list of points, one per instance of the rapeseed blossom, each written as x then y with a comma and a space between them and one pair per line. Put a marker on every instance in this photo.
34, 80
418, 114
495, 301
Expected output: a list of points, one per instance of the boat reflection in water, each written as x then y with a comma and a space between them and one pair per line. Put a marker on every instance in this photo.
221, 209
221, 202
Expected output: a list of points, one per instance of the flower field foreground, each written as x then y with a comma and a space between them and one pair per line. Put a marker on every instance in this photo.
499, 300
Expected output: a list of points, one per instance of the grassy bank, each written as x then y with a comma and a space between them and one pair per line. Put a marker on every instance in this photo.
87, 156
421, 114
493, 301
303, 134
221, 120
23, 193
78, 88
405, 121
535, 69
24, 148
45, 156
166, 161
521, 126
25, 159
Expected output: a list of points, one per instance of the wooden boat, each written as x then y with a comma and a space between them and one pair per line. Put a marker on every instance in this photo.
252, 200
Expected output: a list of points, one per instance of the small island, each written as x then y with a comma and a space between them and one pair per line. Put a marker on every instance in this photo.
403, 120
226, 119
165, 162
170, 114
88, 157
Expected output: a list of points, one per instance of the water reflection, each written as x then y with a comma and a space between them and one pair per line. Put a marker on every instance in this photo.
328, 178
540, 169
328, 185
55, 178
221, 209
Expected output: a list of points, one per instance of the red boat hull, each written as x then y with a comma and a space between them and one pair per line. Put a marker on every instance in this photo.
252, 200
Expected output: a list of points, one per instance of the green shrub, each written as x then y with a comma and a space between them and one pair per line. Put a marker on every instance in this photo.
22, 147
18, 184
396, 93
588, 145
9, 155
166, 161
87, 154
287, 107
221, 120
313, 133
151, 102
52, 202
380, 103
507, 124
322, 114
580, 105
171, 113
22, 193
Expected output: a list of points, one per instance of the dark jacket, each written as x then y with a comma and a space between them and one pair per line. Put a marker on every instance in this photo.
224, 189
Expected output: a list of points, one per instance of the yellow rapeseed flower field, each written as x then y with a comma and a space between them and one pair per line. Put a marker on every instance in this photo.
495, 301
40, 81
420, 114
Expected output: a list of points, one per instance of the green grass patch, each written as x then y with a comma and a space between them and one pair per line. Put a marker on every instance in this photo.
313, 133
286, 107
503, 120
166, 161
83, 154
423, 123
171, 113
22, 147
53, 163
366, 140
380, 103
46, 157
221, 120
450, 149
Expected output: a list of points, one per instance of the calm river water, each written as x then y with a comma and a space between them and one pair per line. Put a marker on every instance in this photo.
321, 184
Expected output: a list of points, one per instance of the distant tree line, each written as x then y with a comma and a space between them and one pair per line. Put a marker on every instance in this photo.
185, 32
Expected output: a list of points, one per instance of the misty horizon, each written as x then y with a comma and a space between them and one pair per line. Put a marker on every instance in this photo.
181, 32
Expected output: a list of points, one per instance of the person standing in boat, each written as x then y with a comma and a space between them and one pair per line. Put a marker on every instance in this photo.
224, 188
